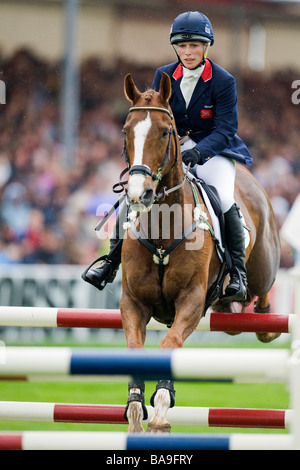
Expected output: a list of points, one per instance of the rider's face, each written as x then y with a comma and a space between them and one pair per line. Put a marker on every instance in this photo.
191, 53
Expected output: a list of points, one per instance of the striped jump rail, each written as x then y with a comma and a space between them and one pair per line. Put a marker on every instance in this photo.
111, 318
96, 440
270, 365
114, 414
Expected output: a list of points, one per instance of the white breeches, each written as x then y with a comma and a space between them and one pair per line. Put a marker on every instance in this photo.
219, 172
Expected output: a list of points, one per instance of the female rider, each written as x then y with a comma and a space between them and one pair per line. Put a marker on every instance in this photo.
204, 104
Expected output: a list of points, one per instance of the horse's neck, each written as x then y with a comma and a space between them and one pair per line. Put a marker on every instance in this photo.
169, 224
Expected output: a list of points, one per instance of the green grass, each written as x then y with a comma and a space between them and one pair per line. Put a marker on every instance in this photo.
113, 392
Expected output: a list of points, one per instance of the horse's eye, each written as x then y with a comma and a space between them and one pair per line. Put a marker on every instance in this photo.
165, 133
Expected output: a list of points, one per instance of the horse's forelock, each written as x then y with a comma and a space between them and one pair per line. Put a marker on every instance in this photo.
148, 95
151, 98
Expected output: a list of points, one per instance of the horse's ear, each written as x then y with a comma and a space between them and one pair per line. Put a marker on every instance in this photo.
165, 88
130, 89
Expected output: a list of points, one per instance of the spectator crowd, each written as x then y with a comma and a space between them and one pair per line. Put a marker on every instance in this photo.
48, 208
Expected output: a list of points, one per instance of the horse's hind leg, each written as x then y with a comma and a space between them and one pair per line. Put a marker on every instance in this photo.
162, 399
262, 305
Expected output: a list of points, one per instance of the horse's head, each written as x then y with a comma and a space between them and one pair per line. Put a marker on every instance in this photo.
150, 148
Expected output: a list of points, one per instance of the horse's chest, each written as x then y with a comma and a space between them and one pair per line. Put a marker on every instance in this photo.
155, 282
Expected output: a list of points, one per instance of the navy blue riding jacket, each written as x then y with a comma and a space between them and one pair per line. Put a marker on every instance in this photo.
211, 118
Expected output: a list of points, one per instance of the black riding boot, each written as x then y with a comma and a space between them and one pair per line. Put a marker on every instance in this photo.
235, 240
107, 270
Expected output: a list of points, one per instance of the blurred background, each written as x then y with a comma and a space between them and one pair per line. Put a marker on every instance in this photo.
62, 66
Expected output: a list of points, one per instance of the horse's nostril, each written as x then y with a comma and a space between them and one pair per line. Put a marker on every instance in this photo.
147, 197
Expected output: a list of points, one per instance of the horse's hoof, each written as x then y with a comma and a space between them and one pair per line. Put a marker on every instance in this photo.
160, 429
267, 337
135, 429
233, 333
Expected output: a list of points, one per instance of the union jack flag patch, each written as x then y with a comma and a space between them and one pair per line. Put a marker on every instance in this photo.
207, 29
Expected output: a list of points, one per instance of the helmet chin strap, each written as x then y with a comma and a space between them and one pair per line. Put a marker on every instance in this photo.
207, 46
206, 50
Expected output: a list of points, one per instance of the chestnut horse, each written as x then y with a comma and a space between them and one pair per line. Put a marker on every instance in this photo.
174, 291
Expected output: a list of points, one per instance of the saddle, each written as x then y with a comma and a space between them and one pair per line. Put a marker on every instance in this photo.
212, 202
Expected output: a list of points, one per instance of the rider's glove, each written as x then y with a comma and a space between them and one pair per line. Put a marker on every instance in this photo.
192, 156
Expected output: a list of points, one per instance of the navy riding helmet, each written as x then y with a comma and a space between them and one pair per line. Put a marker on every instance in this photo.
191, 26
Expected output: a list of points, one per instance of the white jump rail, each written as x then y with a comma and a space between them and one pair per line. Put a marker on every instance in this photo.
178, 416
96, 440
111, 318
269, 365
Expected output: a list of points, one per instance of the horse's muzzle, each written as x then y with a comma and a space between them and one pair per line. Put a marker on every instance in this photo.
141, 191
147, 197
144, 203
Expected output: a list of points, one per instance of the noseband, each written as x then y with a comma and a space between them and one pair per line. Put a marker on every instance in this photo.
144, 169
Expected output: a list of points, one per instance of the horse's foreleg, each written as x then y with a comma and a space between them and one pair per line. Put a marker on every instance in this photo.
136, 410
134, 320
162, 399
189, 309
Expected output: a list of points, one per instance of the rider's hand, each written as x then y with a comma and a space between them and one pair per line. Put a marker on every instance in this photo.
191, 156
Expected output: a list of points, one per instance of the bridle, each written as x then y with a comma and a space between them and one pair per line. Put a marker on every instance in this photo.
144, 169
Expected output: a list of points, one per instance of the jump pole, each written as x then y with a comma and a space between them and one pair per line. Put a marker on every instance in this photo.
294, 362
111, 318
114, 414
269, 365
95, 440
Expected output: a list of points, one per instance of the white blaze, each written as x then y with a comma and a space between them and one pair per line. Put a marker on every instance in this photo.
136, 182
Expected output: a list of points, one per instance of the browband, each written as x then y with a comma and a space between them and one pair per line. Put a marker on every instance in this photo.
151, 108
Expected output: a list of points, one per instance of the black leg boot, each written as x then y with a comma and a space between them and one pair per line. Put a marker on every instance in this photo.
236, 291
